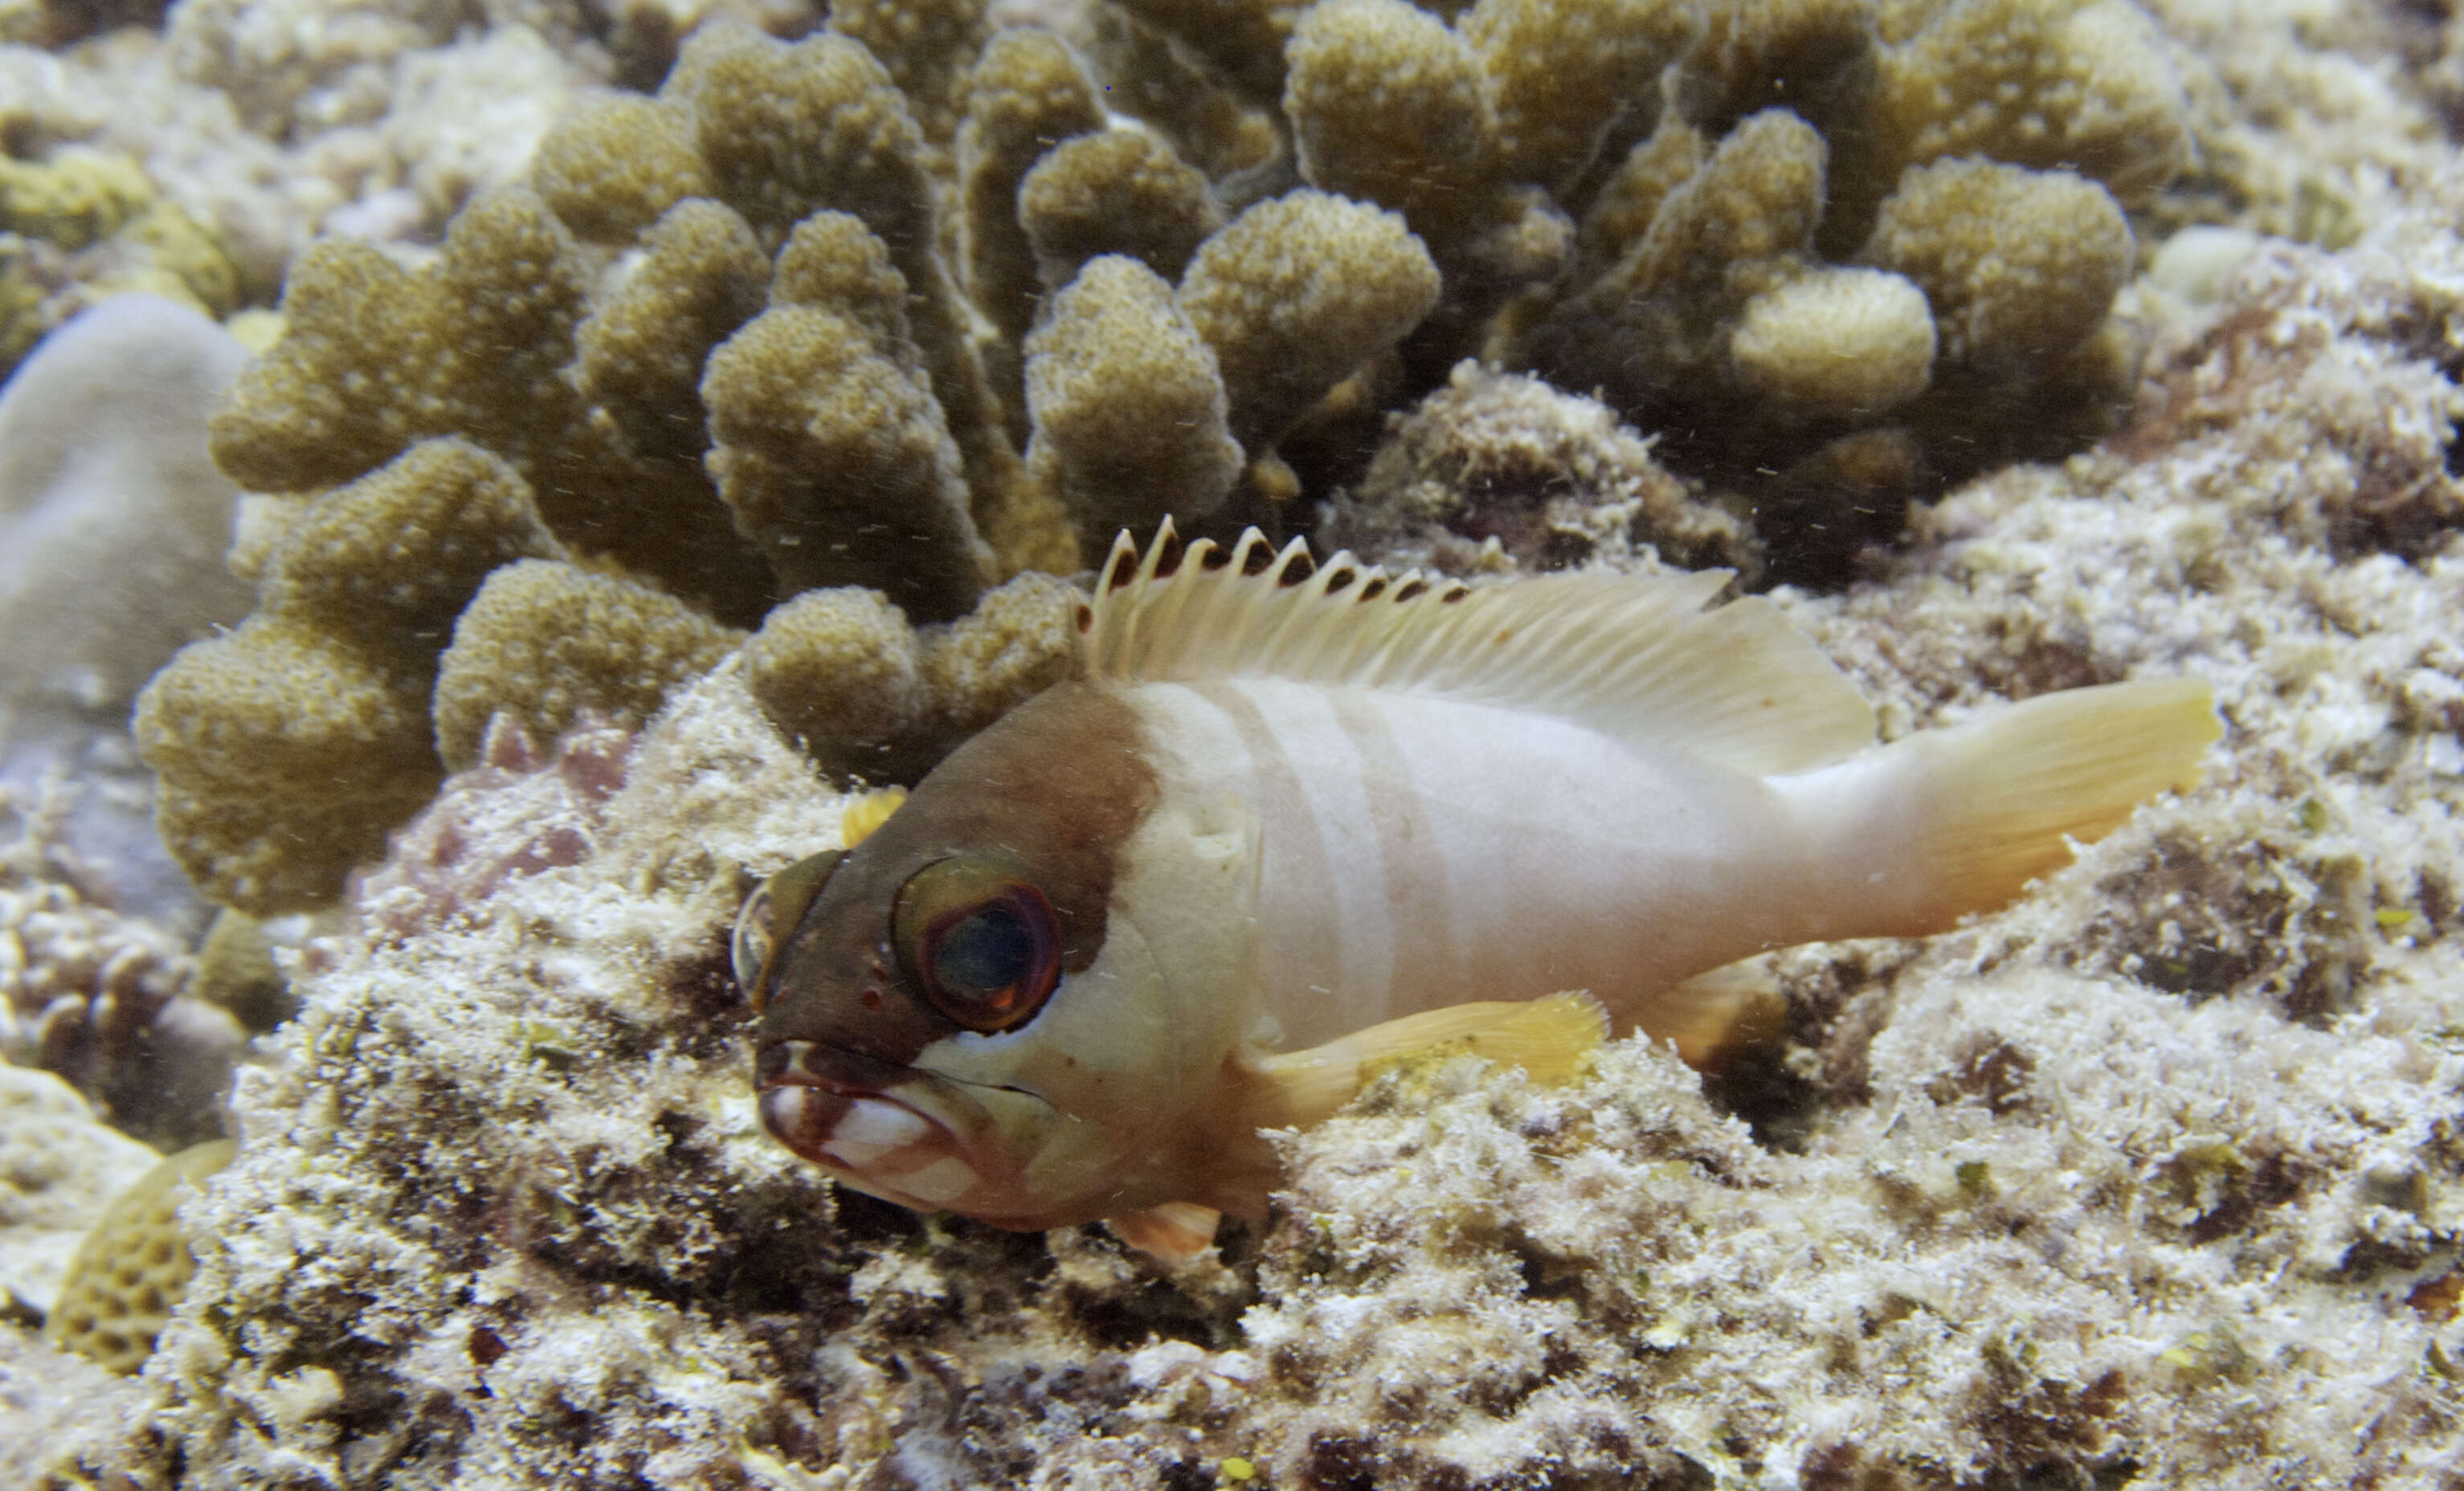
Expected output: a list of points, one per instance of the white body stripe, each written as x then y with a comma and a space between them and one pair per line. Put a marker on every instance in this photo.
1420, 852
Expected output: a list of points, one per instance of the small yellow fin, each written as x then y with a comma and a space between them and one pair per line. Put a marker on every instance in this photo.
862, 815
2015, 787
1174, 1232
1654, 661
1547, 1038
1724, 1012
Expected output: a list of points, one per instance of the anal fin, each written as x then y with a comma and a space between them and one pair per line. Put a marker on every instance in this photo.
1712, 1015
1173, 1233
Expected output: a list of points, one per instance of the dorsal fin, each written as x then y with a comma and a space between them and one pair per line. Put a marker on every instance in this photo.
1651, 661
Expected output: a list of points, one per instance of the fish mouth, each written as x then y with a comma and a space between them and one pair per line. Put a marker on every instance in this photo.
835, 1107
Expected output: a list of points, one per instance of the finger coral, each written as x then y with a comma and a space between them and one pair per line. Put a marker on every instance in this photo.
912, 305
842, 673
1797, 272
288, 747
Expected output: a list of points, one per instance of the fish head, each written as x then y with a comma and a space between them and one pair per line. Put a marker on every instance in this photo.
996, 1002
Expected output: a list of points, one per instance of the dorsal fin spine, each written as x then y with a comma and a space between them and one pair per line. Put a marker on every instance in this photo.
1652, 661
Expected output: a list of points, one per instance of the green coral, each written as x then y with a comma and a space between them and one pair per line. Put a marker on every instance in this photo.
1118, 191
804, 405
909, 306
290, 747
842, 673
2005, 303
1028, 95
1860, 241
545, 645
1129, 404
1294, 293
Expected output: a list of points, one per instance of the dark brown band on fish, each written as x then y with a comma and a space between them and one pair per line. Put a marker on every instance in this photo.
1059, 786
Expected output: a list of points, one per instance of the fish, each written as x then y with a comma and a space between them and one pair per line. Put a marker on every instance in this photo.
1287, 822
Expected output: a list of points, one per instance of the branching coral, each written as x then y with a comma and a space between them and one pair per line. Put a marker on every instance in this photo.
904, 306
103, 999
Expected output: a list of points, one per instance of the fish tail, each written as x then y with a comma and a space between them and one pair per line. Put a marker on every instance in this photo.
2011, 791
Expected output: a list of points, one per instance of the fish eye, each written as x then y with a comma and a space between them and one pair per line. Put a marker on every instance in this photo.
770, 913
978, 940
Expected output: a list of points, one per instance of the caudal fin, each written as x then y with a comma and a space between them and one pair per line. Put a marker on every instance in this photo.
2010, 790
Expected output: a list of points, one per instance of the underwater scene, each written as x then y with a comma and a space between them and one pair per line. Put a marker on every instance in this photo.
1231, 745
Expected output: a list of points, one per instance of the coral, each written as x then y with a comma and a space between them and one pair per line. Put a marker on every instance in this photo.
803, 406
928, 48
545, 644
1241, 42
1558, 77
87, 223
506, 280
113, 522
842, 673
63, 1169
2003, 305
135, 1265
1386, 104
1293, 294
1846, 344
103, 998
1028, 94
1127, 402
615, 163
2087, 87
1117, 192
113, 525
288, 747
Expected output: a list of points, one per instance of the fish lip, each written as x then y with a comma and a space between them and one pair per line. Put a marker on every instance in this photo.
809, 1064
839, 1080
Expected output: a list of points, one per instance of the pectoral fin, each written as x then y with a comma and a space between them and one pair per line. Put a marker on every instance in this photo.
1547, 1038
1174, 1232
